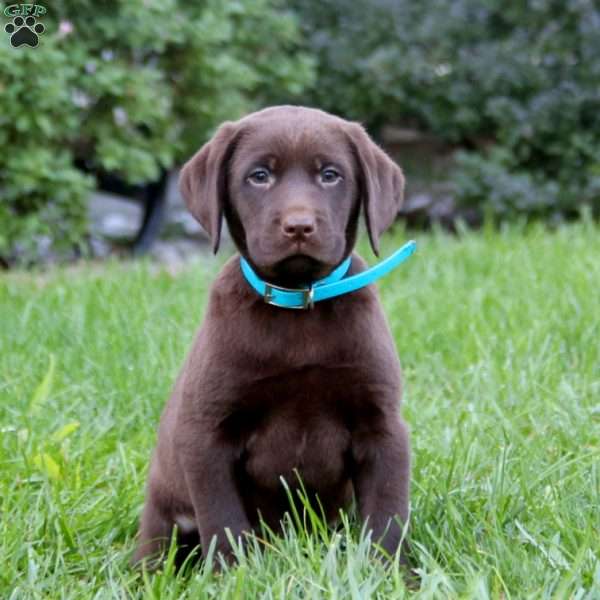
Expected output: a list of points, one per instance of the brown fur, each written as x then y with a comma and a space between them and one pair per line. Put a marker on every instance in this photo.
266, 391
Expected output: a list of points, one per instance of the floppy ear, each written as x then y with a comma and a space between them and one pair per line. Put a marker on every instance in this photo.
381, 184
203, 181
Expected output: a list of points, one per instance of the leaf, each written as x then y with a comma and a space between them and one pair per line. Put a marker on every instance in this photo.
65, 431
42, 392
44, 462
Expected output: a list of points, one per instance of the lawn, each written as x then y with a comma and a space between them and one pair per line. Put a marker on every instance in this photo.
499, 337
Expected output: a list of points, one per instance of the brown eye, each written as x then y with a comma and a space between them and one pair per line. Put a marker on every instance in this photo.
329, 175
259, 176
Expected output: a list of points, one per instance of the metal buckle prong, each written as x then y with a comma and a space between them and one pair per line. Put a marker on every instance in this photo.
268, 293
309, 298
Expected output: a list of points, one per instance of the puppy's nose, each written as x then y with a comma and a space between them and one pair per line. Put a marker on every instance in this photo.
298, 225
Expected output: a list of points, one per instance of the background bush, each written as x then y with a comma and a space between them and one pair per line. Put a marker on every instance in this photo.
134, 86
131, 86
516, 85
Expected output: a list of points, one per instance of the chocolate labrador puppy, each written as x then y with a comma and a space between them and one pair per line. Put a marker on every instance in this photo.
268, 392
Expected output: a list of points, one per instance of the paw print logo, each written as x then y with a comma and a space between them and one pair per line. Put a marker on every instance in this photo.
24, 31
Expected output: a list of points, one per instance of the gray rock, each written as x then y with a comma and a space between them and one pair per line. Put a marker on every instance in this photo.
99, 247
177, 252
114, 217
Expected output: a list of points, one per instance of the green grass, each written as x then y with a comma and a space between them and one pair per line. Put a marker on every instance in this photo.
499, 336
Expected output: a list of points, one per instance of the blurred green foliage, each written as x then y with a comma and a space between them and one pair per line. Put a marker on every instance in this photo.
131, 86
135, 86
516, 85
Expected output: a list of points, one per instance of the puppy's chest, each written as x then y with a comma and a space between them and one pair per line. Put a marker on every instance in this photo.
299, 436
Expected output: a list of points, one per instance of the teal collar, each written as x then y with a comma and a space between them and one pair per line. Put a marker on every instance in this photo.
335, 284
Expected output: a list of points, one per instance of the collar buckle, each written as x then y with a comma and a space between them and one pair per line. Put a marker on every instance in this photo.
308, 295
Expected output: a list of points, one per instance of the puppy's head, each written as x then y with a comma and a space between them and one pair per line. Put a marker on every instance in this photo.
291, 182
